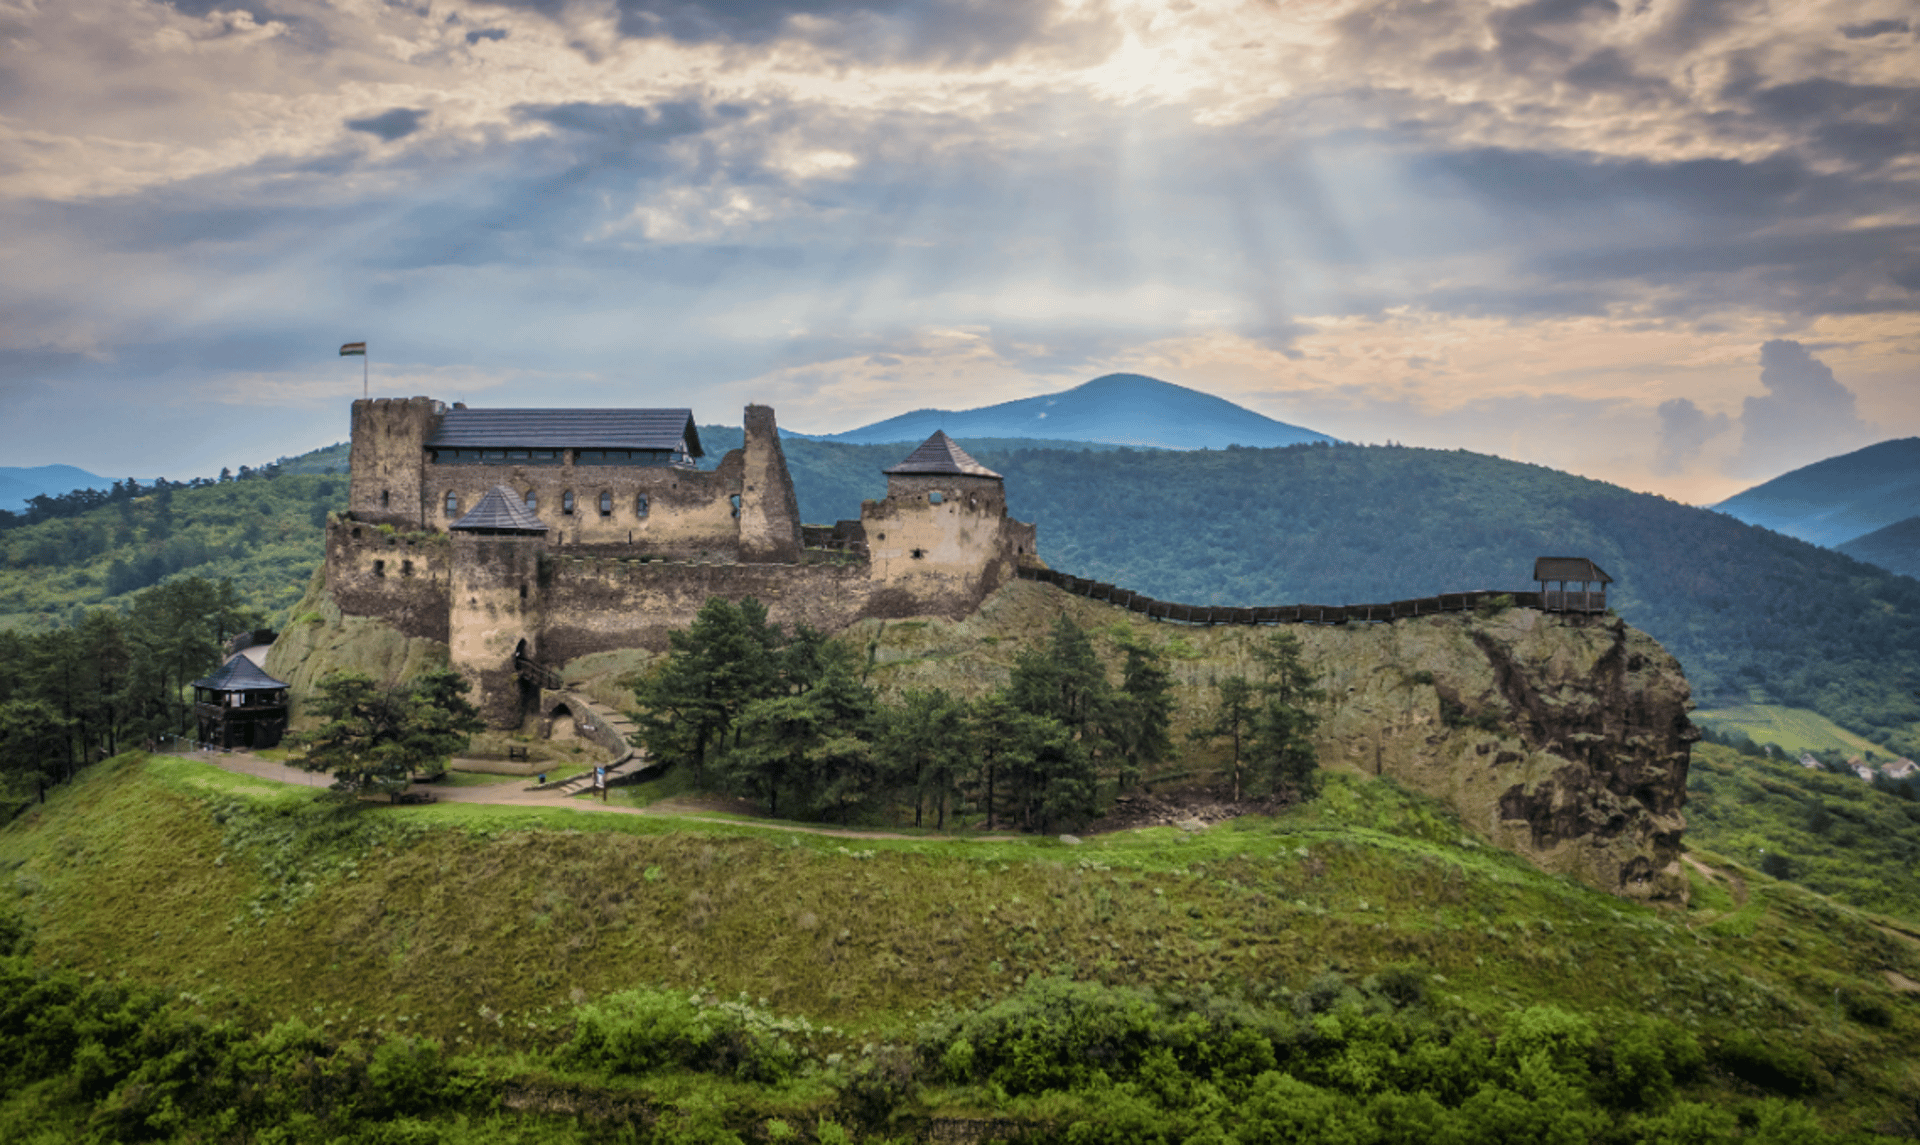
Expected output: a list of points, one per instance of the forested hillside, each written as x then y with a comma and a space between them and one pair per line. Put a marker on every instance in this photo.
263, 533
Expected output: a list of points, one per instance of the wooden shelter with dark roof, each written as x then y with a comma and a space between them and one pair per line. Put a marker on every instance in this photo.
1571, 584
240, 706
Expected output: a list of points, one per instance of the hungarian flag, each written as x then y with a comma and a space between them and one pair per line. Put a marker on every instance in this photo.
352, 348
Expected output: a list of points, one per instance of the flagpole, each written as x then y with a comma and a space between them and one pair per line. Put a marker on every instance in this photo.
363, 377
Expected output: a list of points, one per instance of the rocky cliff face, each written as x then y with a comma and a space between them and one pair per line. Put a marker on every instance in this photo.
1562, 738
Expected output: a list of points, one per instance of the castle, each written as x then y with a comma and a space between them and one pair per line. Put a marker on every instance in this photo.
523, 538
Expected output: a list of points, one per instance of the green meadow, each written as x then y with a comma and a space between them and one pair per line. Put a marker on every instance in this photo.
464, 972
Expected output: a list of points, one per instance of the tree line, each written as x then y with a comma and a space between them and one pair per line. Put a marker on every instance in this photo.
74, 695
789, 720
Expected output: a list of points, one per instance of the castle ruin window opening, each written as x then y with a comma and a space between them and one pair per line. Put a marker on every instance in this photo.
606, 503
640, 505
453, 503
406, 568
936, 497
386, 498
735, 499
496, 456
650, 458
532, 500
566, 502
379, 568
919, 554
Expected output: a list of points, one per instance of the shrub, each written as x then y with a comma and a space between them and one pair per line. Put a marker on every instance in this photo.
641, 1031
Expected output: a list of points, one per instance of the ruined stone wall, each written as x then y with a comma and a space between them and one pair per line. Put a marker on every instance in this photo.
940, 543
496, 611
599, 604
387, 459
400, 578
769, 510
689, 514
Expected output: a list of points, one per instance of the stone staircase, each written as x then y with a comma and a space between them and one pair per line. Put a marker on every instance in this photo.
610, 730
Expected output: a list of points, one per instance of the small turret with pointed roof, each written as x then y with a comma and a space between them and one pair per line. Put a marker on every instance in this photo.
941, 455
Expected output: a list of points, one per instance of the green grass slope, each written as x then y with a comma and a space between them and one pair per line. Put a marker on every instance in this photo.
1792, 730
1835, 834
503, 932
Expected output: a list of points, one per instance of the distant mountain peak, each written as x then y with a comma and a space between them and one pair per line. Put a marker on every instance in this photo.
1837, 500
1114, 409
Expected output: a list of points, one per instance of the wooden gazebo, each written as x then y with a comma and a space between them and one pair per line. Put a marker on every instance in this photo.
1571, 584
240, 706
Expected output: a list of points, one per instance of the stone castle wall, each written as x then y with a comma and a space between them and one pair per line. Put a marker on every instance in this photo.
940, 544
401, 578
599, 604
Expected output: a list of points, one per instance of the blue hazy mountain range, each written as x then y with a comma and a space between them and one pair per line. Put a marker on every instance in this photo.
17, 484
1118, 409
1834, 501
1895, 548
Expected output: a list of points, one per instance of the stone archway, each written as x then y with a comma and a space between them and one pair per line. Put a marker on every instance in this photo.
558, 720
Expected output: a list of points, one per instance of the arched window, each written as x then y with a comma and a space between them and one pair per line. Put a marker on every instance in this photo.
532, 500
453, 502
566, 502
736, 504
606, 503
640, 505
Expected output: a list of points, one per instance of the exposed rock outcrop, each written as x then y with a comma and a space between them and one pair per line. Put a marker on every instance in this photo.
1563, 738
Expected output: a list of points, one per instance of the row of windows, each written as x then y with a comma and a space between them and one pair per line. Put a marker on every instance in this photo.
532, 502
641, 457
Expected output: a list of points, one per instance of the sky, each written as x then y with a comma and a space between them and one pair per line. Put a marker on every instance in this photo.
1673, 244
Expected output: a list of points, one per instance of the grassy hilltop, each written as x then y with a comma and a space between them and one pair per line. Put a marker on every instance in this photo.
1356, 961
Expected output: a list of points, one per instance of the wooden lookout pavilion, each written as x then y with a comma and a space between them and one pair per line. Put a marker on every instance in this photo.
240, 706
1571, 584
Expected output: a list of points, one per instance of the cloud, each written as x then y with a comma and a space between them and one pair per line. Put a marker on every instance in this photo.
945, 32
478, 35
391, 125
1872, 28
1805, 415
1685, 430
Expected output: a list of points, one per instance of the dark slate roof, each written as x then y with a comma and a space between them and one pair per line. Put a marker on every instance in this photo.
1569, 568
566, 429
501, 510
941, 454
239, 674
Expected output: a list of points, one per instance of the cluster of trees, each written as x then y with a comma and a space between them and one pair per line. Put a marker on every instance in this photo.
376, 737
74, 695
788, 719
1268, 720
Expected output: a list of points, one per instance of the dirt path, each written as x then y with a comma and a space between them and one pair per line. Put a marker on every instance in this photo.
1736, 885
512, 794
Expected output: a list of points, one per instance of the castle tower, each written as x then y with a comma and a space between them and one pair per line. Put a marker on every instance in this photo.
769, 511
495, 604
388, 460
942, 541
